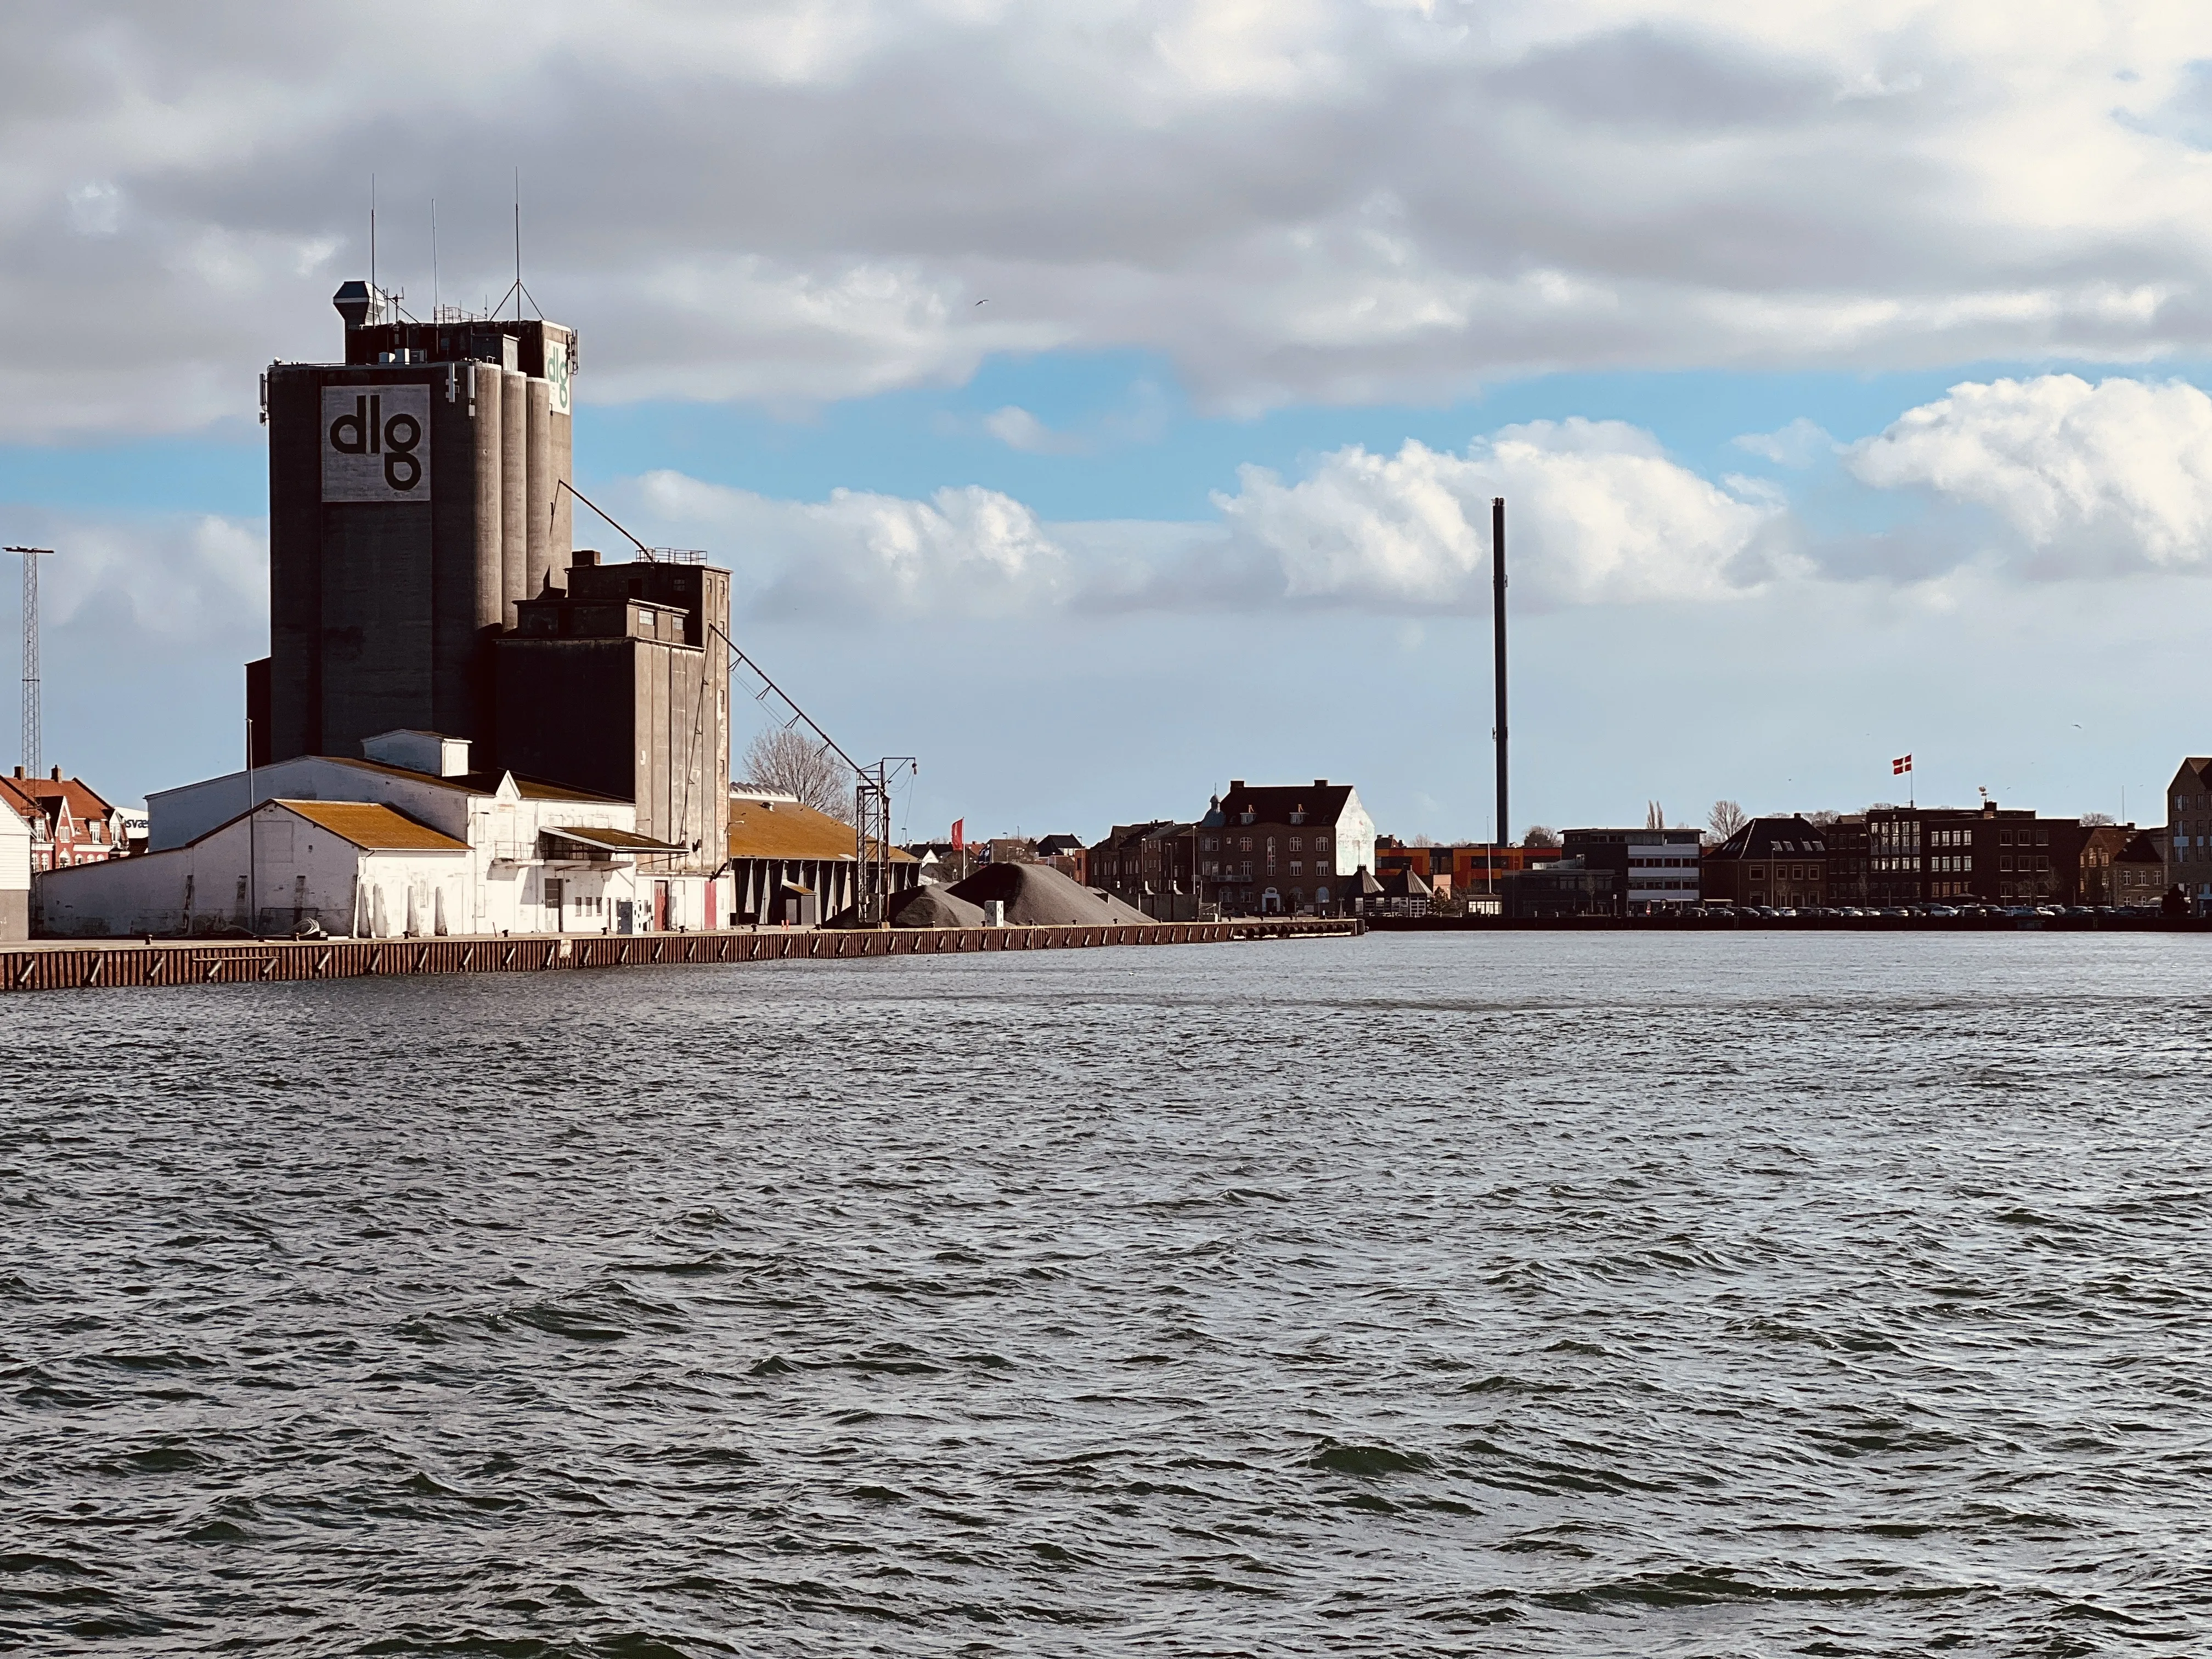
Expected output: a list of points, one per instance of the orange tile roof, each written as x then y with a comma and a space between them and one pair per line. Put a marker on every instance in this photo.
85, 805
375, 829
785, 829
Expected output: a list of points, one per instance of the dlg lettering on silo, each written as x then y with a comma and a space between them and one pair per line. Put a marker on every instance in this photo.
368, 431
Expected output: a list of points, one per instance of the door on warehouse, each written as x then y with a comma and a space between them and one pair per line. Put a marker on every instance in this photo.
660, 906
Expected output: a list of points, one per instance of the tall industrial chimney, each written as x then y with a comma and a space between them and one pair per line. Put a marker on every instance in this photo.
1497, 651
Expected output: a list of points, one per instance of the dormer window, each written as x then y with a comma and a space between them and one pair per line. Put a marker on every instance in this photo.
1246, 816
1297, 815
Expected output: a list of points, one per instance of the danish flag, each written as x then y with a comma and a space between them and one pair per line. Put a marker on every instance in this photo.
1900, 766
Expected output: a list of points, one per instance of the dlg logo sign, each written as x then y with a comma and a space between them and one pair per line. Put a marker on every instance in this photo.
376, 443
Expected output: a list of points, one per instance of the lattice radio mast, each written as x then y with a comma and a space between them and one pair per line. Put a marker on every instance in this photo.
35, 743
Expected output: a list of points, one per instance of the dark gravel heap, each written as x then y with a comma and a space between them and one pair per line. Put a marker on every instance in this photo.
1038, 896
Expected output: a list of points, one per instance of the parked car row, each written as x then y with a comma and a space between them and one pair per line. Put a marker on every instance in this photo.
1903, 912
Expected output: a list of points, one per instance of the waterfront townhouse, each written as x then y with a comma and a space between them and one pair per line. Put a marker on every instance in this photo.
1270, 849
2138, 872
1777, 861
70, 824
2189, 831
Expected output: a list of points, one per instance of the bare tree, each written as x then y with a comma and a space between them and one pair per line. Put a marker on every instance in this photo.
1823, 818
2094, 818
798, 763
1725, 819
1537, 836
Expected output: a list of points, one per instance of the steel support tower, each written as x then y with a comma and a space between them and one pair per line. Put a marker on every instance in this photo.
34, 734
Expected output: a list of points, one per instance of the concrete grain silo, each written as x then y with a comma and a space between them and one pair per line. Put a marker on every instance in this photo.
414, 503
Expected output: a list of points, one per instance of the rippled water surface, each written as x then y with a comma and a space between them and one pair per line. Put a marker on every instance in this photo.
1539, 1294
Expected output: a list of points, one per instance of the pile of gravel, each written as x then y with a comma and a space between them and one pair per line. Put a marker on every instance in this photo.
934, 907
1038, 896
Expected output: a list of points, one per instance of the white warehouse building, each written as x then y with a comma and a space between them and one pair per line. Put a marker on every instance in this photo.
406, 843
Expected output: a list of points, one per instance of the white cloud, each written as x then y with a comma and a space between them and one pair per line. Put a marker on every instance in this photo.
94, 209
793, 201
1799, 444
1599, 516
1016, 427
1596, 514
969, 551
2086, 479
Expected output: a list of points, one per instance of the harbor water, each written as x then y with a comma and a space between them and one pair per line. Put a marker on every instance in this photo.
1486, 1294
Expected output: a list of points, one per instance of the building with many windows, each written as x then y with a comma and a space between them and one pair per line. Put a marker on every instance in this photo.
1973, 855
70, 824
1266, 850
1656, 868
1781, 862
1152, 866
2189, 832
2139, 872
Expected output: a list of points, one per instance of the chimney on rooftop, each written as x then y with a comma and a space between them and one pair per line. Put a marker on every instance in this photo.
1321, 783
57, 774
1234, 784
585, 556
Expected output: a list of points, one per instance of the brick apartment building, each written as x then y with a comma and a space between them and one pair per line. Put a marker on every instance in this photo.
1974, 855
1150, 866
70, 824
1777, 861
2189, 832
1266, 850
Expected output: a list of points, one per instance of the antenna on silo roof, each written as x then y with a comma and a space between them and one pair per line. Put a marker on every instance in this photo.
517, 290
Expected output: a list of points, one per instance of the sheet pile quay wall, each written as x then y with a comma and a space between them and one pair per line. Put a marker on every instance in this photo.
113, 964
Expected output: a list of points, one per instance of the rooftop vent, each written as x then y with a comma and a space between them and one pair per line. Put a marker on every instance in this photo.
432, 753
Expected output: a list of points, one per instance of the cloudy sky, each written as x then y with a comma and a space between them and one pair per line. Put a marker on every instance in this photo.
1103, 400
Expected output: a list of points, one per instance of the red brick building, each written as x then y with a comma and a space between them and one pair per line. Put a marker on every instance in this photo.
69, 824
1463, 867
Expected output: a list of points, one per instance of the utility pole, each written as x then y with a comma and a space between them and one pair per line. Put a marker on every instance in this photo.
34, 734
253, 844
1497, 652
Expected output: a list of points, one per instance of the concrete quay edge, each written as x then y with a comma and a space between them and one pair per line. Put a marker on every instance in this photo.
122, 964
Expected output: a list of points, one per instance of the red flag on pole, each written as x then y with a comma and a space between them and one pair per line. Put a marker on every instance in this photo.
959, 841
1900, 766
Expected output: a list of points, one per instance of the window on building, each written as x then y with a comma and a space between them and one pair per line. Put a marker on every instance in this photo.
1246, 846
1297, 843
1320, 843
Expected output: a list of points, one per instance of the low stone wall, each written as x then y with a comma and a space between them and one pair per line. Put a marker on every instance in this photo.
113, 964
